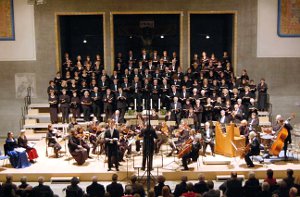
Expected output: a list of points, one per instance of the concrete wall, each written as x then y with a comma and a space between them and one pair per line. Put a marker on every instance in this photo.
281, 73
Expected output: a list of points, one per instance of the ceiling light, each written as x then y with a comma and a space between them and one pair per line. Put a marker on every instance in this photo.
162, 36
207, 37
84, 41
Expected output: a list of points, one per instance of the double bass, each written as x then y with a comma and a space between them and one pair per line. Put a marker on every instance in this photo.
278, 144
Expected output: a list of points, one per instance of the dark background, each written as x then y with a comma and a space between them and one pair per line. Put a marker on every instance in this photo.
74, 29
220, 29
129, 36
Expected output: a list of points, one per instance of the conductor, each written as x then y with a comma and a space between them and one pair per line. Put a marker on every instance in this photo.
148, 133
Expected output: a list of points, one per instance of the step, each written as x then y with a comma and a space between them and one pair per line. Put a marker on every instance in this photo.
61, 179
263, 113
226, 177
38, 105
44, 125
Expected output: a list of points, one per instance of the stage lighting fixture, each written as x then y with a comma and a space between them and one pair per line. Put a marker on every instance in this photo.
84, 41
130, 37
207, 37
162, 36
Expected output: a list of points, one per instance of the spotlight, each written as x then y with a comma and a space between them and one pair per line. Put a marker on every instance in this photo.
162, 36
207, 37
130, 37
84, 41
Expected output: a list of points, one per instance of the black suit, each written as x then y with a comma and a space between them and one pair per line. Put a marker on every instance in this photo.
232, 188
42, 191
121, 103
254, 150
108, 106
97, 104
148, 146
112, 147
193, 154
200, 187
95, 190
176, 111
180, 189
115, 189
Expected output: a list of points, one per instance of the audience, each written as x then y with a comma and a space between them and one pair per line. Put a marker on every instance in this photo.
115, 189
95, 189
41, 189
74, 190
211, 191
181, 187
230, 188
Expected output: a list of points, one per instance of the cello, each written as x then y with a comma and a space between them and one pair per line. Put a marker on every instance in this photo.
278, 144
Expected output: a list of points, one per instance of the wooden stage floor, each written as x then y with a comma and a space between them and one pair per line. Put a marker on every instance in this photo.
170, 167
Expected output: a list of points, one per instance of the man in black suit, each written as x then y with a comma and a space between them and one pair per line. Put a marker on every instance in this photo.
41, 189
161, 183
193, 154
181, 187
201, 186
117, 117
111, 137
64, 101
232, 187
176, 110
108, 99
208, 136
115, 189
148, 134
95, 189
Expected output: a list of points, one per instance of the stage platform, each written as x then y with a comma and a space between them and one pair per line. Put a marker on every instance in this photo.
170, 167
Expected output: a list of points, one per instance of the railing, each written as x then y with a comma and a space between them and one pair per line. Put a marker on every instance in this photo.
270, 108
24, 109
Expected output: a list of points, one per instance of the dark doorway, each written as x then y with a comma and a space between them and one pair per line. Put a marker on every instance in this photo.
212, 33
81, 35
146, 31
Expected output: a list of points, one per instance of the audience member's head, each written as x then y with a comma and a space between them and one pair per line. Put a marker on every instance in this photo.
289, 172
114, 178
9, 178
74, 181
161, 179
201, 177
270, 173
133, 178
210, 184
23, 180
165, 191
41, 180
293, 192
190, 187
128, 190
265, 186
233, 175
184, 178
151, 193
94, 179
251, 175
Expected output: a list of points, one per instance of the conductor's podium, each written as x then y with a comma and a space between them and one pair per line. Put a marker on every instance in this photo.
228, 143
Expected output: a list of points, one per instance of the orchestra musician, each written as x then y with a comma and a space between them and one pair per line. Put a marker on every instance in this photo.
148, 134
244, 130
277, 127
193, 153
118, 118
31, 151
252, 149
163, 134
78, 152
182, 134
51, 138
111, 137
208, 137
86, 103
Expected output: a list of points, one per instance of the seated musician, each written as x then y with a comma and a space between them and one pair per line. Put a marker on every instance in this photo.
78, 152
51, 138
31, 151
244, 130
253, 121
118, 118
208, 137
193, 153
162, 132
182, 135
280, 123
154, 115
252, 149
